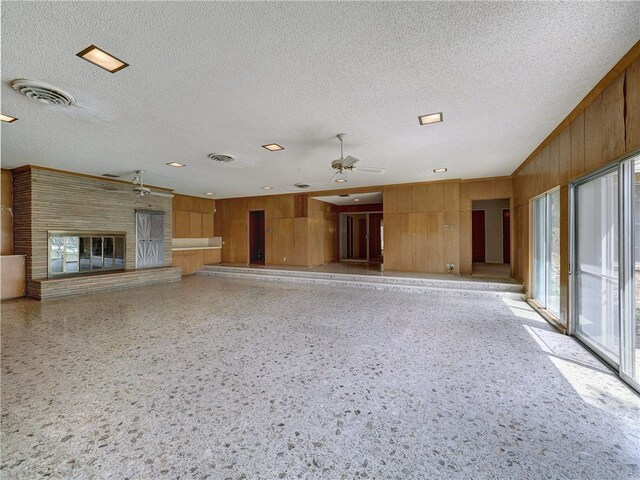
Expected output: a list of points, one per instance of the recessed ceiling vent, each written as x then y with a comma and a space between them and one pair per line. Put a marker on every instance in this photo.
344, 195
221, 158
43, 92
302, 185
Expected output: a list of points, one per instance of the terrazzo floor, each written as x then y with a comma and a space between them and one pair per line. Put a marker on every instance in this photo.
221, 378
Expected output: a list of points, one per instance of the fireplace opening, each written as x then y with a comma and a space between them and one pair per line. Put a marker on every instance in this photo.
73, 253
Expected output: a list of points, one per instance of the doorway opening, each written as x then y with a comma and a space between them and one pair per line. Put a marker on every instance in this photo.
491, 237
359, 226
361, 237
256, 237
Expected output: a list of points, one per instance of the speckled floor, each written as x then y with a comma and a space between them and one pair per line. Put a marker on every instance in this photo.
220, 378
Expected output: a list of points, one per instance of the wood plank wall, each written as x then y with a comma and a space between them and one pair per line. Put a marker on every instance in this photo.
286, 223
46, 200
6, 215
323, 232
193, 217
607, 129
415, 216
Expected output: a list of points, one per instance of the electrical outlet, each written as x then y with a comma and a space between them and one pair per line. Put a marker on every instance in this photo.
284, 259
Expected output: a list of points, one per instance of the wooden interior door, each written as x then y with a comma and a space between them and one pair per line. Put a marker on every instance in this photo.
477, 236
256, 237
506, 236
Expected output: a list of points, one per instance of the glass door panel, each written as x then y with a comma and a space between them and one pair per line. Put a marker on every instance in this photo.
553, 253
596, 264
630, 358
546, 252
539, 249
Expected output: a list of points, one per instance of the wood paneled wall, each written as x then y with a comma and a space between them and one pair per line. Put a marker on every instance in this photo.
193, 217
415, 217
606, 128
323, 232
6, 218
428, 225
286, 224
46, 200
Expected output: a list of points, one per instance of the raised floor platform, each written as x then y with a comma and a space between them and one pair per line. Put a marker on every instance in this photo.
51, 288
348, 276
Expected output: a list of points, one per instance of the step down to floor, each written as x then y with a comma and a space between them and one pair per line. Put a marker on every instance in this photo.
455, 285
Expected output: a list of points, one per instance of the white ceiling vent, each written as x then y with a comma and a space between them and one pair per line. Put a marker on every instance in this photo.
221, 158
43, 92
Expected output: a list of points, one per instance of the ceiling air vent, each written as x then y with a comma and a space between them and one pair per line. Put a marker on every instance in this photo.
302, 185
344, 195
221, 158
43, 92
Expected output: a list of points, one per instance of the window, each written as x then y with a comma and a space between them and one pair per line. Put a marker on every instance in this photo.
546, 252
71, 253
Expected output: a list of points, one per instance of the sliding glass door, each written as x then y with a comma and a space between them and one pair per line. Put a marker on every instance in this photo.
546, 252
630, 356
597, 300
606, 266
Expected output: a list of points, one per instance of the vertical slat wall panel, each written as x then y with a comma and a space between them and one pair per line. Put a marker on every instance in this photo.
593, 134
632, 110
613, 113
577, 146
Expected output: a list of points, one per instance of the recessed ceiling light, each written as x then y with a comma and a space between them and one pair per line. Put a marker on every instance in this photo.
356, 199
7, 118
102, 59
439, 170
176, 164
341, 180
209, 193
267, 188
430, 118
273, 147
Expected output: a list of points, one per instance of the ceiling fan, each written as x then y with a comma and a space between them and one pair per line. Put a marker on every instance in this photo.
138, 187
140, 190
342, 165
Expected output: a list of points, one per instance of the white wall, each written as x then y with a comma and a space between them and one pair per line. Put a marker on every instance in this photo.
492, 227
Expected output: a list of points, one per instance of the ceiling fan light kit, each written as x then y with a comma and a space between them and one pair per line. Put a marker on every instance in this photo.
348, 163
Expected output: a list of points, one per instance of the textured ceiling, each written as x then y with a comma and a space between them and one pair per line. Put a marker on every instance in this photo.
230, 77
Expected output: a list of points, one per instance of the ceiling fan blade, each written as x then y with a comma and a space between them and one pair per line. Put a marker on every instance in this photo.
376, 171
161, 194
349, 161
334, 176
